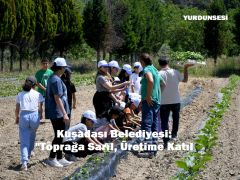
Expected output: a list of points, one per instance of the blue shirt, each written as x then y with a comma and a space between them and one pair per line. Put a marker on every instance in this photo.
55, 86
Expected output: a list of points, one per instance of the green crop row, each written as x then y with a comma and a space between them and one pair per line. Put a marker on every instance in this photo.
193, 162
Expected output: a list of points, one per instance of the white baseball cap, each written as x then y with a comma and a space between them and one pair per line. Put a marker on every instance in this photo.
137, 64
140, 69
127, 68
134, 96
90, 115
136, 101
114, 64
102, 63
122, 105
61, 62
117, 79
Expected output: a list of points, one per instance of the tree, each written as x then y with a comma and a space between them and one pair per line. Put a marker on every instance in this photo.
236, 30
26, 23
96, 20
69, 25
215, 31
8, 24
46, 24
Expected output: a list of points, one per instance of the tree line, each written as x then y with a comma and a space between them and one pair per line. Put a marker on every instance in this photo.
123, 28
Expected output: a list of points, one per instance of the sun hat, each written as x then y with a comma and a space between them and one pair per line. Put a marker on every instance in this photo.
122, 105
102, 63
90, 115
68, 71
117, 79
136, 101
140, 69
114, 64
32, 79
137, 64
61, 62
127, 68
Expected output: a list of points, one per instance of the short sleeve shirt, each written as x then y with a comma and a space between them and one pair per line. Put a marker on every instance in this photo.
135, 80
101, 122
157, 79
70, 90
29, 100
99, 83
42, 77
127, 111
172, 78
74, 132
55, 87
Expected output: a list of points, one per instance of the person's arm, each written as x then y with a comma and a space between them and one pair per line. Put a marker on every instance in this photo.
40, 109
119, 90
17, 113
96, 141
111, 127
41, 86
126, 127
108, 86
60, 106
150, 82
133, 89
163, 86
74, 100
186, 72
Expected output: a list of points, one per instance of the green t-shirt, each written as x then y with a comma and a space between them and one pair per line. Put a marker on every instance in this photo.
42, 77
157, 79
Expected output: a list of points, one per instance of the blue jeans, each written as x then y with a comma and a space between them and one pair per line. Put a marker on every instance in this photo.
150, 122
28, 125
165, 112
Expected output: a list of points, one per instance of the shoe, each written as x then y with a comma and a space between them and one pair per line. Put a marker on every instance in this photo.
53, 163
24, 167
64, 162
146, 155
165, 145
31, 155
174, 137
70, 157
160, 140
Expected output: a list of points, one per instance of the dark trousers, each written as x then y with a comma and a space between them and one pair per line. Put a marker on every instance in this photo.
164, 114
101, 102
57, 124
79, 153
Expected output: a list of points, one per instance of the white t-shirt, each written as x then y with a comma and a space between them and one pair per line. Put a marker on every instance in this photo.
29, 100
172, 78
74, 136
135, 80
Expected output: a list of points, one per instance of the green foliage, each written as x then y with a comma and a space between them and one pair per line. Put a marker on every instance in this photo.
183, 56
69, 25
236, 30
215, 31
96, 20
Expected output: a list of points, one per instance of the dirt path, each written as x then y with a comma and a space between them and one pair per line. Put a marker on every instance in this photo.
132, 168
163, 166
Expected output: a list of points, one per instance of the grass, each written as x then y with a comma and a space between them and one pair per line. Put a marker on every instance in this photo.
84, 72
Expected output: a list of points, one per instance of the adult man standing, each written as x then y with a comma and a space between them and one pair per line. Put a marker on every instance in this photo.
151, 95
170, 100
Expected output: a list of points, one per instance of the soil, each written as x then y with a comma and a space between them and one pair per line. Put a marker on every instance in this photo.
161, 167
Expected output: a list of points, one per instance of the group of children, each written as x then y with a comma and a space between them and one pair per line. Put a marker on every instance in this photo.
113, 103
115, 107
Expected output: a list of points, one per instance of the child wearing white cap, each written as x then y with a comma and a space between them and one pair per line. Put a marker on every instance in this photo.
113, 69
136, 79
104, 87
132, 105
57, 110
122, 94
87, 121
124, 76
